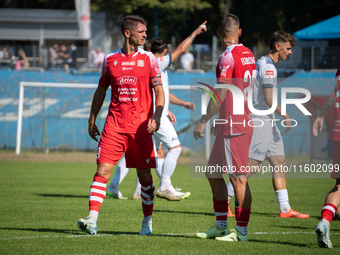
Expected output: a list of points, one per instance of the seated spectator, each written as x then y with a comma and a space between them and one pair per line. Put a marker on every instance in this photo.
187, 60
22, 62
43, 57
97, 57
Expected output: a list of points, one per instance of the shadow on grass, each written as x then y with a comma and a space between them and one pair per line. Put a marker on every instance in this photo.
265, 214
62, 195
45, 230
101, 233
185, 212
278, 242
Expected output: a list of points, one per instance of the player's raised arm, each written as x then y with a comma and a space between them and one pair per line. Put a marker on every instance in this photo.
155, 120
318, 123
184, 45
97, 103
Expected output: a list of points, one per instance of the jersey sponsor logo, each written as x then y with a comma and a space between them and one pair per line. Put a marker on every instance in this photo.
161, 59
127, 68
128, 63
140, 63
127, 80
269, 73
115, 63
257, 151
147, 161
248, 61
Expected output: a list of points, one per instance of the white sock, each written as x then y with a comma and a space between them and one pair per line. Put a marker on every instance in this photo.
121, 172
328, 224
147, 219
221, 224
169, 166
282, 199
230, 188
94, 215
159, 168
242, 230
138, 187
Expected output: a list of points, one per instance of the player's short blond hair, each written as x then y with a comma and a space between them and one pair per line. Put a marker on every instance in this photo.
130, 22
281, 36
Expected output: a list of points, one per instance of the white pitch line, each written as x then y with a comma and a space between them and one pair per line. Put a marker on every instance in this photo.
167, 234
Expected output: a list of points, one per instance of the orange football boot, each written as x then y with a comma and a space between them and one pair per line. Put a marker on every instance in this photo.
293, 214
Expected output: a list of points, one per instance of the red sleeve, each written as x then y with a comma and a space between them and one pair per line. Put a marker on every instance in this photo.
154, 68
225, 68
338, 72
104, 80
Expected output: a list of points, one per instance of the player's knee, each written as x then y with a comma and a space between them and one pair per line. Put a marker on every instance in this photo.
176, 151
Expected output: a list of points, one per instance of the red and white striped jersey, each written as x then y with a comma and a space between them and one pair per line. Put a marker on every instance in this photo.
236, 66
131, 90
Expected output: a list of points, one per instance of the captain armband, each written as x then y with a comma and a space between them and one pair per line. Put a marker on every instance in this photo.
156, 81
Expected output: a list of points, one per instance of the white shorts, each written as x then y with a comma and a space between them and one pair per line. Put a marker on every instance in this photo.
167, 133
266, 140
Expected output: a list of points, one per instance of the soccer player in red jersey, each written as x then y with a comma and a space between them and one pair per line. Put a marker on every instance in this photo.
333, 198
131, 121
236, 66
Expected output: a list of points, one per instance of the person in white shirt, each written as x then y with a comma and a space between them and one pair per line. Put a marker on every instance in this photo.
187, 60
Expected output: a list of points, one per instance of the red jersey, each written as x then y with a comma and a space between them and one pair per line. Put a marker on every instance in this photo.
236, 66
336, 126
131, 93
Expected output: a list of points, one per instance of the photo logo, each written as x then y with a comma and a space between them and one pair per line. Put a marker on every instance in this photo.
208, 92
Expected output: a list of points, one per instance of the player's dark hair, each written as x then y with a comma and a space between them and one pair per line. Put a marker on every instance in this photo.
130, 22
147, 45
281, 36
158, 45
229, 23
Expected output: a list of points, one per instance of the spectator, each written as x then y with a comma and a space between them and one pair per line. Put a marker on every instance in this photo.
53, 52
64, 56
43, 56
73, 56
6, 54
22, 61
2, 53
187, 60
97, 57
304, 65
10, 50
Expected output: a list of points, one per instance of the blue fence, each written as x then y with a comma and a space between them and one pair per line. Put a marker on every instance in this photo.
61, 122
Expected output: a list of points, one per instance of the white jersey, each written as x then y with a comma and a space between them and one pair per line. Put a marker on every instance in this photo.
163, 63
266, 78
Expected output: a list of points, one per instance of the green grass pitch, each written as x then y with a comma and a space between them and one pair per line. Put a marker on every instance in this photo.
40, 204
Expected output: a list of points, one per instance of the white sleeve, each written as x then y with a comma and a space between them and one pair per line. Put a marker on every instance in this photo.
164, 62
269, 76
